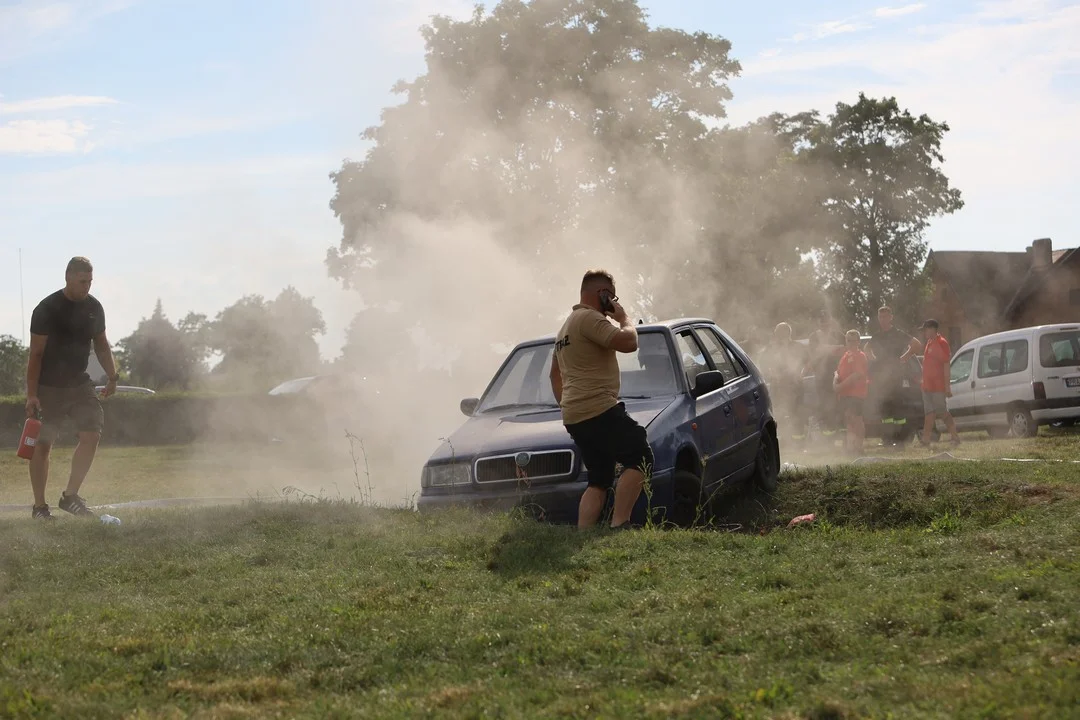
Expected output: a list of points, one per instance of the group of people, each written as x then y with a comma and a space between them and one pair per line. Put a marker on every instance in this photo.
845, 370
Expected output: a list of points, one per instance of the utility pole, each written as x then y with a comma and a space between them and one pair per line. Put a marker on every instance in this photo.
22, 301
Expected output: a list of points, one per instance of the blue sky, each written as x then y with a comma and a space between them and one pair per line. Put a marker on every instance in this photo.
184, 145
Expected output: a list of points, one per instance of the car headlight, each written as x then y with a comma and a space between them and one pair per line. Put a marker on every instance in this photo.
446, 475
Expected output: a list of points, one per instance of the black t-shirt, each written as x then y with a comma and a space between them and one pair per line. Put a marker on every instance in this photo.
71, 327
889, 345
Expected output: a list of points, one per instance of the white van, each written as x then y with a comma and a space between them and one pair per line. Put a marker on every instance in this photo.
1015, 381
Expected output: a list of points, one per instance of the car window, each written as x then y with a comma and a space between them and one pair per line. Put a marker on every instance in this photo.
523, 381
692, 356
1014, 357
721, 357
961, 367
1060, 349
990, 361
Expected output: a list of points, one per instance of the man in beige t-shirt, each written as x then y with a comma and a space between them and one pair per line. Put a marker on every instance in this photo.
585, 381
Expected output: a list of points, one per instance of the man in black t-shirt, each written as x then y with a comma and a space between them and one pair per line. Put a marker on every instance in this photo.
888, 350
63, 328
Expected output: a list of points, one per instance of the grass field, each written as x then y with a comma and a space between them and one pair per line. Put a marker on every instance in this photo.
924, 589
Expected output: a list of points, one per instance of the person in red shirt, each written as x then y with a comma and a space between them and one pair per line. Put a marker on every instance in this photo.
935, 382
852, 382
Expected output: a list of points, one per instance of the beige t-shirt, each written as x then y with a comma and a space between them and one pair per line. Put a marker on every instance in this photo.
589, 368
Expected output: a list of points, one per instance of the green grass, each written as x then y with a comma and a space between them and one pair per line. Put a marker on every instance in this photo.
930, 589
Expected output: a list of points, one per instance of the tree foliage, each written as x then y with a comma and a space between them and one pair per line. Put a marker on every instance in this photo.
13, 358
879, 169
160, 355
261, 342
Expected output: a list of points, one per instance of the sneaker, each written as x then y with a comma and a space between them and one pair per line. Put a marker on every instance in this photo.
42, 513
75, 505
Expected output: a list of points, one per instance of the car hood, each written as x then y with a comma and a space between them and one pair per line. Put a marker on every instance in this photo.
527, 429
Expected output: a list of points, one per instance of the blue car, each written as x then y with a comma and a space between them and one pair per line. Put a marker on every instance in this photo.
703, 402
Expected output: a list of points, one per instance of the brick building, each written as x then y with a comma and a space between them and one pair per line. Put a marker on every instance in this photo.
977, 293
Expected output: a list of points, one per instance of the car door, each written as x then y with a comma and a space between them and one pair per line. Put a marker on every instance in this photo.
743, 394
712, 412
962, 402
1059, 366
1001, 378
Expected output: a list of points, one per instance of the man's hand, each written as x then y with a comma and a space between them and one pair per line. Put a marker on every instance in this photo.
109, 388
33, 406
618, 314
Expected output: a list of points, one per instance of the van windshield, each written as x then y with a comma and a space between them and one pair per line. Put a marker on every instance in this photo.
1061, 349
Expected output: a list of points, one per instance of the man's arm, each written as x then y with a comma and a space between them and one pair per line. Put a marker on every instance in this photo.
104, 355
625, 340
914, 348
33, 371
556, 379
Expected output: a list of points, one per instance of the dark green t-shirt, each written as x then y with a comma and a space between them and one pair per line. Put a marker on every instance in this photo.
70, 327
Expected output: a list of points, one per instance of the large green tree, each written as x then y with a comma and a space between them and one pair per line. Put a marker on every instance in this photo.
160, 355
879, 168
264, 342
13, 357
542, 136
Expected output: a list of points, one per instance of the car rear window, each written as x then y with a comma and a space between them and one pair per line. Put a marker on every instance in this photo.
1060, 349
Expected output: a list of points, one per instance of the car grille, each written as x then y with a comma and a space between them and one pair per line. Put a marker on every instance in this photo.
542, 465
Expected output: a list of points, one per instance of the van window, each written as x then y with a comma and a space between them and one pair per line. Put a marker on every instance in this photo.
961, 367
1060, 349
1014, 356
990, 361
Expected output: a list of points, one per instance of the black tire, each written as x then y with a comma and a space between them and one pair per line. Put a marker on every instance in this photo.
689, 502
767, 469
1021, 424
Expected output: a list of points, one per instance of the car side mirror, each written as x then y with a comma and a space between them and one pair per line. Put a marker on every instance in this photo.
707, 382
469, 405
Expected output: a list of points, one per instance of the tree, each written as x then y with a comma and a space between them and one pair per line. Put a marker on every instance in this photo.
540, 131
13, 358
880, 169
262, 342
158, 354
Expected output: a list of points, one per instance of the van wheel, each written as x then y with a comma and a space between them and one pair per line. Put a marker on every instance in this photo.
767, 469
1021, 424
689, 499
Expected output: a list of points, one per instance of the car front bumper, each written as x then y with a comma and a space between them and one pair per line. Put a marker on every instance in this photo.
557, 500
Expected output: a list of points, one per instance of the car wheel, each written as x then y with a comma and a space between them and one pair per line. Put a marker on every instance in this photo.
767, 470
689, 501
1021, 424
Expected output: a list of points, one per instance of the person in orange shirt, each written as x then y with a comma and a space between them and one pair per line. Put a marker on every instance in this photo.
852, 383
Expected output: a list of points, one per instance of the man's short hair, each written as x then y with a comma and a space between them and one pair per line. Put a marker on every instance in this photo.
884, 309
930, 324
852, 334
79, 265
596, 277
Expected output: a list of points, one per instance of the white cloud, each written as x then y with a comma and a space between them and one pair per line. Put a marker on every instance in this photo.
828, 29
53, 104
31, 137
33, 26
889, 12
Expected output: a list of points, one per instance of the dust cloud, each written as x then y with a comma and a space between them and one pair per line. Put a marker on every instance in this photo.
454, 269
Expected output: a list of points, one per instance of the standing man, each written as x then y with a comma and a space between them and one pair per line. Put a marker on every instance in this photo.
585, 380
851, 382
935, 382
888, 351
62, 329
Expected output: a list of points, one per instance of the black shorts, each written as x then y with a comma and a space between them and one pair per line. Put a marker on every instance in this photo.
78, 406
609, 438
853, 405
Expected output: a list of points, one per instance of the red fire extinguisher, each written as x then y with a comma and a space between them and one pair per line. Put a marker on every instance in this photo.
28, 441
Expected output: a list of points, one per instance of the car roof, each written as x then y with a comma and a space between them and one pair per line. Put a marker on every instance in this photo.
657, 326
1020, 332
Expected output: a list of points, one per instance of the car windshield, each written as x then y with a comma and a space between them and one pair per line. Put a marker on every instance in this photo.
1060, 349
524, 381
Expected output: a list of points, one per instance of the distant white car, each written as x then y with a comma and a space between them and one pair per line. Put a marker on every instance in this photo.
130, 389
1015, 381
